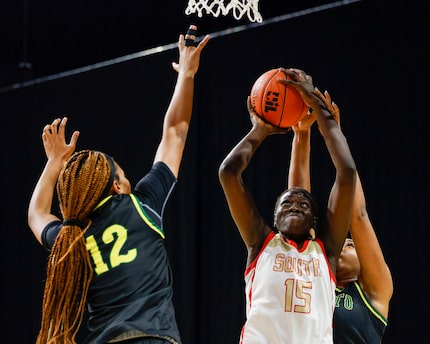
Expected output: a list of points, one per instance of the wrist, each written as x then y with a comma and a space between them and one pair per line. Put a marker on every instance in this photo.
187, 74
302, 132
55, 164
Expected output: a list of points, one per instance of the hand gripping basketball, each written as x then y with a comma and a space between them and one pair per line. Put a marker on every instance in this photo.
277, 104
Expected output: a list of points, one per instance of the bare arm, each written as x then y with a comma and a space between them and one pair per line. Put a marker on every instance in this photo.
178, 115
299, 171
57, 152
339, 208
252, 227
375, 276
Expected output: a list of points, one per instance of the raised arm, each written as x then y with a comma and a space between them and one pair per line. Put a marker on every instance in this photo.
339, 208
57, 151
375, 276
252, 227
299, 171
178, 115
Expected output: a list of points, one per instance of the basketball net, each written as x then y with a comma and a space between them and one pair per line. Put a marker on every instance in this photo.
217, 7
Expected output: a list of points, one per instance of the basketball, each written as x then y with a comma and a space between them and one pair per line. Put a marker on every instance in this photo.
275, 103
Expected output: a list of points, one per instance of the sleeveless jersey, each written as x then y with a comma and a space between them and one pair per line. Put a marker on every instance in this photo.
289, 294
355, 319
131, 290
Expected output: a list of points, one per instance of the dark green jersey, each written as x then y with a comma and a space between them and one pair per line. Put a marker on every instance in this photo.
355, 319
131, 290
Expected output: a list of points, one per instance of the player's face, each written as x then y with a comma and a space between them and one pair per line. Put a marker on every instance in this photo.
348, 260
294, 215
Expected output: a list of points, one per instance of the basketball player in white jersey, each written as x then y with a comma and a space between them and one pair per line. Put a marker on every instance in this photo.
290, 283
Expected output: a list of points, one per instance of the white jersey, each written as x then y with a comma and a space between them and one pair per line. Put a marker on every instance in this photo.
290, 294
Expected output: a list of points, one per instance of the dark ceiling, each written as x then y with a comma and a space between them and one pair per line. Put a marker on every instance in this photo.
44, 37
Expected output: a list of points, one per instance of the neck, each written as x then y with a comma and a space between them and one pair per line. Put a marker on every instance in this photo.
344, 282
299, 241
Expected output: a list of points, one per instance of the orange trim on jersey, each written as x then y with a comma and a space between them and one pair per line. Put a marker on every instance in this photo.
332, 274
305, 245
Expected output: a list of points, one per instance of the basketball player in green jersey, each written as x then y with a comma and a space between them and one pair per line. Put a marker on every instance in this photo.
107, 252
364, 283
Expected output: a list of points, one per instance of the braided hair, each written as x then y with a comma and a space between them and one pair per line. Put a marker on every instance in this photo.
84, 180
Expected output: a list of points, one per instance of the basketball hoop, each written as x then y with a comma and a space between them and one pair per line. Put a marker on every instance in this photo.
217, 7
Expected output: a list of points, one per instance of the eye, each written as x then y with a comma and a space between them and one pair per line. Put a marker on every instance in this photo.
304, 205
286, 203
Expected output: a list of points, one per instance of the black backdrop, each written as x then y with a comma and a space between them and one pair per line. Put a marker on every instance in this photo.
362, 54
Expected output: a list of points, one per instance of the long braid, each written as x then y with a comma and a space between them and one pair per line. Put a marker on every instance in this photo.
81, 183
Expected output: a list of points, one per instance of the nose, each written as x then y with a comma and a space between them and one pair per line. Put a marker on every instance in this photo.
294, 206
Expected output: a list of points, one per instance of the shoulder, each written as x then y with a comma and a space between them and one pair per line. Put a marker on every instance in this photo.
50, 232
158, 177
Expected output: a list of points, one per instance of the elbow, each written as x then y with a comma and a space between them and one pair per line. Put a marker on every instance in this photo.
33, 224
349, 172
229, 168
30, 217
224, 171
347, 176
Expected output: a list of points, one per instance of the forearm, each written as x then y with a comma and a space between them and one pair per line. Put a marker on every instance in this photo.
336, 143
299, 171
240, 156
340, 203
176, 123
180, 108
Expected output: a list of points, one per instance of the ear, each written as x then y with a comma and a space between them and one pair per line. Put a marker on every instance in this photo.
116, 187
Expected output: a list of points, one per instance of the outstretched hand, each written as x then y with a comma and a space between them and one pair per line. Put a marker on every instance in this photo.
189, 54
54, 140
305, 123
